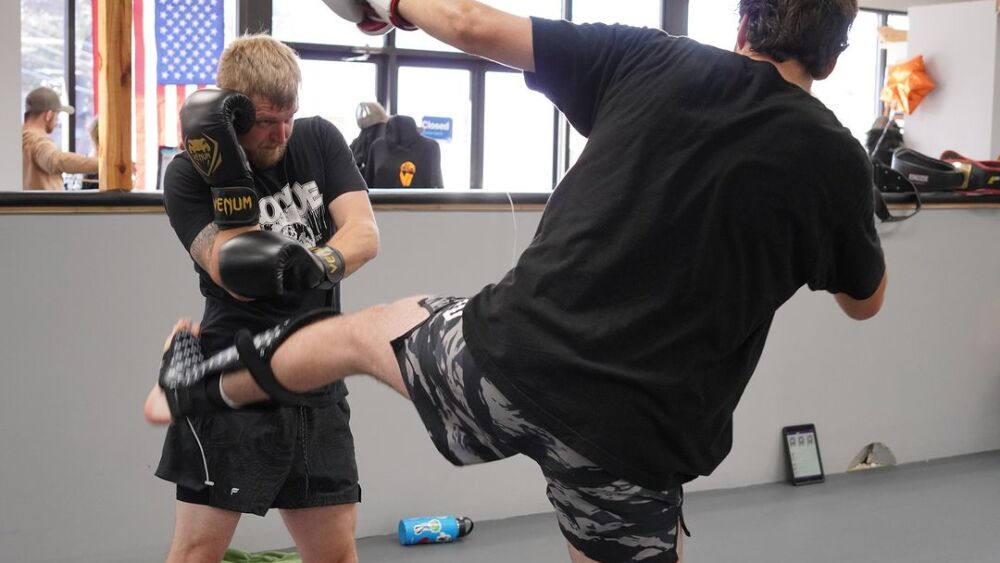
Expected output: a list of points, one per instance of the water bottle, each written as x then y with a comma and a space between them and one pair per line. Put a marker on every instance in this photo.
433, 529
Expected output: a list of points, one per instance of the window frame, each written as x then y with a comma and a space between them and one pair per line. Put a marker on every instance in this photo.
388, 59
256, 15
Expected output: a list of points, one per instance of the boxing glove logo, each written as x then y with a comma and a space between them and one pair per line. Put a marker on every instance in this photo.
235, 206
204, 152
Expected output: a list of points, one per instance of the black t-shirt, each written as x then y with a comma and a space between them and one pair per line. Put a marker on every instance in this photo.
403, 158
709, 192
294, 197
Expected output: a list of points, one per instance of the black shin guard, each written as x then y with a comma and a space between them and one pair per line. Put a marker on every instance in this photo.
188, 388
255, 354
191, 382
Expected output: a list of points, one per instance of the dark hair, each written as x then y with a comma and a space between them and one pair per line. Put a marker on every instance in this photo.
812, 32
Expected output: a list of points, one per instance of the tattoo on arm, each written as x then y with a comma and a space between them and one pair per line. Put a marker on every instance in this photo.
201, 248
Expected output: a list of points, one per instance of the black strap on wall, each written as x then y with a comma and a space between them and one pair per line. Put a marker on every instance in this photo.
889, 180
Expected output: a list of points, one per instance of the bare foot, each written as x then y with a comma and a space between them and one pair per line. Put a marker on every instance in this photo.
156, 410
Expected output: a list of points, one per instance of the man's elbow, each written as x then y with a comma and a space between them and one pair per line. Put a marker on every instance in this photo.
863, 313
863, 309
468, 25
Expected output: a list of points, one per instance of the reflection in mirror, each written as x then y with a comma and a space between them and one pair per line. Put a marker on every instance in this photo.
45, 45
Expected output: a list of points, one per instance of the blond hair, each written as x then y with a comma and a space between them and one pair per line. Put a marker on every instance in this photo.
259, 65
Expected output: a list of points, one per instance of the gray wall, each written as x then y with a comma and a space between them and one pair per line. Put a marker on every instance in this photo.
87, 301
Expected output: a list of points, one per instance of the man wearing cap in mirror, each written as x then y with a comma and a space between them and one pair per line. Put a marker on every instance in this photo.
43, 162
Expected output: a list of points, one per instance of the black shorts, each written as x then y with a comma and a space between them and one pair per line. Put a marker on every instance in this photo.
470, 421
283, 457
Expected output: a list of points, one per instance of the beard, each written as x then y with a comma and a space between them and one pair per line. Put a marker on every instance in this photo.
266, 158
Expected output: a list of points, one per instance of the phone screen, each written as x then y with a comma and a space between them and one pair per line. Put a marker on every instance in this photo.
803, 453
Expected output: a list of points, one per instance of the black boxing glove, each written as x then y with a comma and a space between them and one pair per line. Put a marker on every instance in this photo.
266, 264
210, 123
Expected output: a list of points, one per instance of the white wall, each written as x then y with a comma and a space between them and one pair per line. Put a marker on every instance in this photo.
10, 96
959, 42
87, 301
897, 5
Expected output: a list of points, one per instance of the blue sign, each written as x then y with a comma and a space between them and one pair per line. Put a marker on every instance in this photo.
438, 128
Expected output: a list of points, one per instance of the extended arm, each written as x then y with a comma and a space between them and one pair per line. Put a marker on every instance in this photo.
55, 161
475, 28
468, 25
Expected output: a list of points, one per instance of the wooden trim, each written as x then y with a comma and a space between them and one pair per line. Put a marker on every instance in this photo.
114, 60
457, 207
948, 206
109, 210
461, 207
888, 34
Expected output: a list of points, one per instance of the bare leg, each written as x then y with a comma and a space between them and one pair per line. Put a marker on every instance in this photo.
576, 557
330, 350
201, 533
680, 543
324, 534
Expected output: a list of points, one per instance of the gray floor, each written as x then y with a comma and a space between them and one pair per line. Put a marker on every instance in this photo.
945, 510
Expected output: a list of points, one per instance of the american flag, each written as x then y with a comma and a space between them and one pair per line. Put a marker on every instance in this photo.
177, 48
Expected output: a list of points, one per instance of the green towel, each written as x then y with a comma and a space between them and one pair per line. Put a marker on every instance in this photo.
237, 556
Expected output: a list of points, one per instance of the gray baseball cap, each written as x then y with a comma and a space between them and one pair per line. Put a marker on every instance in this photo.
45, 99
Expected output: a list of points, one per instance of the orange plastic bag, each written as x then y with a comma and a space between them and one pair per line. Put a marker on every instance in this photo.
907, 84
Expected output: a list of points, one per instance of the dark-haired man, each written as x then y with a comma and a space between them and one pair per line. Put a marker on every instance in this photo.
713, 186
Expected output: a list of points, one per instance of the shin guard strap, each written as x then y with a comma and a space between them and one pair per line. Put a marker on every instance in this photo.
260, 370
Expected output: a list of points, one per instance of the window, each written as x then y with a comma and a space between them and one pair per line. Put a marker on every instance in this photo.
84, 101
896, 52
43, 53
503, 136
156, 122
542, 8
639, 13
442, 93
851, 92
333, 90
519, 137
311, 21
714, 22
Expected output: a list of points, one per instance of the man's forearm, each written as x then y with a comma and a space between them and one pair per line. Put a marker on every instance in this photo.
357, 242
72, 163
475, 28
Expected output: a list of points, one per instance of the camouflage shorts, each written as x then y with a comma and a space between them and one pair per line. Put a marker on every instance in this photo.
470, 421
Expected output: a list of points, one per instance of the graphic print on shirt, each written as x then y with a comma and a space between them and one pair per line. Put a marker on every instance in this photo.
296, 212
406, 172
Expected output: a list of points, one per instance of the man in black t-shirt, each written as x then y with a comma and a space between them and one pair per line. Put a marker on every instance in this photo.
307, 191
713, 187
